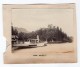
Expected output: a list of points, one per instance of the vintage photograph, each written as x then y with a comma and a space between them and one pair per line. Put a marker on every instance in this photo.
34, 28
41, 33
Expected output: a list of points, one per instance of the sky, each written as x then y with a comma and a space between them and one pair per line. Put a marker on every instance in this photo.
34, 19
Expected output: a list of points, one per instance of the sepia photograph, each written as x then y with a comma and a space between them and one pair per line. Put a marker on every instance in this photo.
34, 28
45, 33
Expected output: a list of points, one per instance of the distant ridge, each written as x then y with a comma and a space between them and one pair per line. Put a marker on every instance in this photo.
21, 30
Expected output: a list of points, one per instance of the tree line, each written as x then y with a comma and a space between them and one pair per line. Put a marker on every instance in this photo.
49, 34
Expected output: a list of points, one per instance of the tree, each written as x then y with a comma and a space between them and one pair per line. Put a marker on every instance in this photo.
14, 31
21, 37
50, 26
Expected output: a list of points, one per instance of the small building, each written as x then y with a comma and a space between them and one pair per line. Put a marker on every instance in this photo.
34, 41
14, 39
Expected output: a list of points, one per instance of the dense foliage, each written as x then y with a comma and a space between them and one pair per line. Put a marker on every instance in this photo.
51, 34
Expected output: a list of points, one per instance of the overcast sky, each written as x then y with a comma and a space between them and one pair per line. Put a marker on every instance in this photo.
33, 19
